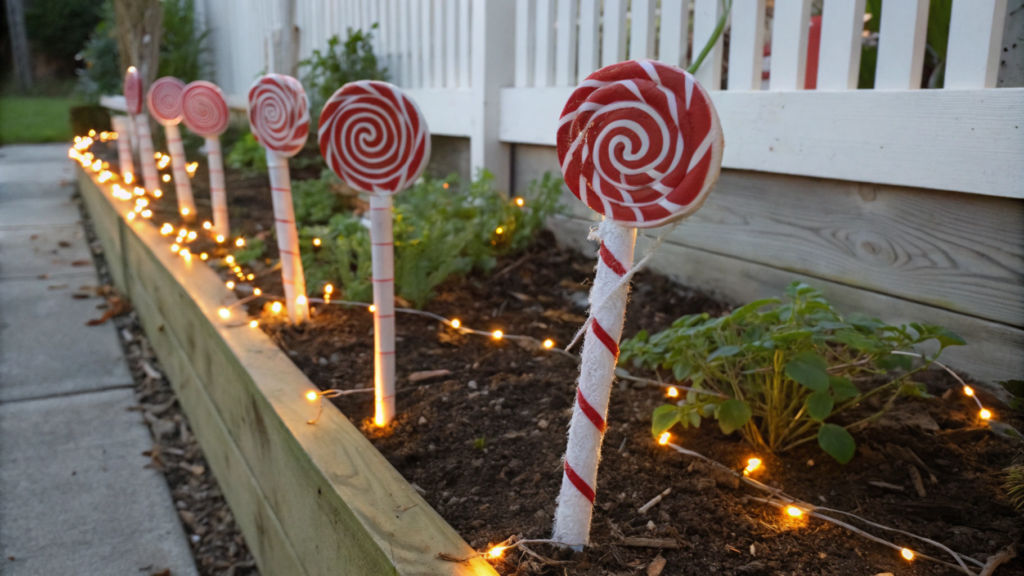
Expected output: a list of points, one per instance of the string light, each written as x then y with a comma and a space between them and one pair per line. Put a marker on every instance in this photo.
312, 396
254, 323
147, 213
549, 343
130, 215
968, 391
752, 465
316, 241
664, 438
445, 185
455, 323
499, 230
191, 236
204, 256
497, 551
230, 284
175, 247
157, 156
220, 238
497, 334
256, 291
673, 392
275, 307
985, 414
92, 133
207, 225
224, 312
240, 242
128, 177
301, 300
520, 202
328, 289
167, 178
184, 211
372, 308
158, 193
186, 255
191, 168
794, 512
250, 277
229, 259
908, 554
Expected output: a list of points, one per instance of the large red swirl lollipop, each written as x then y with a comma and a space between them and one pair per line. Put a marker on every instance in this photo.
375, 138
640, 143
133, 96
205, 112
164, 100
279, 118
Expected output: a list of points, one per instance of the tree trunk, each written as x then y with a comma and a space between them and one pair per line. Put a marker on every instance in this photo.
19, 43
139, 31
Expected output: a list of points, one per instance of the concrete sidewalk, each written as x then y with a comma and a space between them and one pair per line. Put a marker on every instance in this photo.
75, 497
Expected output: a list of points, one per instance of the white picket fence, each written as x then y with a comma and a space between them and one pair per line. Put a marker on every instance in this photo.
499, 72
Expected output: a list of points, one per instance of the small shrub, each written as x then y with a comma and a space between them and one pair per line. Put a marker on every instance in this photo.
247, 155
183, 49
315, 201
253, 250
343, 62
1014, 485
783, 370
102, 73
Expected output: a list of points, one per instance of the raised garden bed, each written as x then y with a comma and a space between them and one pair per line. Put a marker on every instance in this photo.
483, 441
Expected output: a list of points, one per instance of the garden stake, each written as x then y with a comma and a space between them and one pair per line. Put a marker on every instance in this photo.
133, 102
164, 101
124, 148
374, 137
206, 113
640, 143
279, 117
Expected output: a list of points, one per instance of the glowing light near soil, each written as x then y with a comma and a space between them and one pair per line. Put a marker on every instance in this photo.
147, 213
220, 238
378, 416
673, 392
497, 334
275, 307
224, 313
328, 289
175, 247
204, 256
192, 236
240, 242
186, 255
128, 177
985, 414
520, 202
497, 551
191, 168
257, 291
130, 215
229, 259
794, 512
456, 323
908, 554
316, 241
664, 438
167, 178
752, 465
254, 323
184, 211
301, 300
499, 230
549, 343
207, 225
230, 284
372, 308
312, 396
968, 391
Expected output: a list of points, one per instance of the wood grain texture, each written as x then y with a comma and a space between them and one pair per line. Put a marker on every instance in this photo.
993, 351
341, 506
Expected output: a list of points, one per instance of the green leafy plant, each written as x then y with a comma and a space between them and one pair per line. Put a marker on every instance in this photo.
253, 250
102, 72
341, 63
780, 373
316, 201
1014, 485
247, 155
183, 50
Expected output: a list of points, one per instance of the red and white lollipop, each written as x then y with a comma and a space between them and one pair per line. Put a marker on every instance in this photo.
205, 112
133, 96
164, 100
375, 138
640, 143
279, 118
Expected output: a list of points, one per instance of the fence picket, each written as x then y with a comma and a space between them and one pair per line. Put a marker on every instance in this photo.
705, 18
589, 50
746, 45
426, 46
839, 58
641, 29
524, 43
451, 37
674, 36
565, 54
613, 40
464, 56
789, 45
901, 40
544, 57
975, 37
438, 32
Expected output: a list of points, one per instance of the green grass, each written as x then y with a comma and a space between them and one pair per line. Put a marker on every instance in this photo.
35, 120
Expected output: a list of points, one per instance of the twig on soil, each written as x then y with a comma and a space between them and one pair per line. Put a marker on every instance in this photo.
1004, 556
654, 501
512, 266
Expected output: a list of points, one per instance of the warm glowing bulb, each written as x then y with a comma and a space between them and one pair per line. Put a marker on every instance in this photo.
157, 156
301, 300
238, 270
167, 178
184, 211
230, 284
445, 185
907, 553
240, 242
372, 308
250, 277
204, 256
328, 289
207, 225
752, 464
158, 193
520, 202
673, 392
220, 238
166, 229
497, 334
968, 391
985, 414
186, 254
192, 236
456, 323
549, 343
130, 215
224, 312
128, 178
316, 241
92, 133
175, 247
312, 396
254, 323
257, 291
147, 213
275, 307
664, 438
794, 511
497, 551
229, 259
499, 230
191, 168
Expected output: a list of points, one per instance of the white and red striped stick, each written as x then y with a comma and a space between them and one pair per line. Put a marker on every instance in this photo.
133, 96
374, 137
640, 143
279, 118
164, 100
205, 112
124, 148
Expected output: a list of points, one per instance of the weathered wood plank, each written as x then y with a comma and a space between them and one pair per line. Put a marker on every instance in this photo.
993, 351
107, 225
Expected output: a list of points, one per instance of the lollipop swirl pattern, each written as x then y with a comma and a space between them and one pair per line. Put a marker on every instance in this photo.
640, 143
279, 113
133, 91
164, 100
204, 109
374, 137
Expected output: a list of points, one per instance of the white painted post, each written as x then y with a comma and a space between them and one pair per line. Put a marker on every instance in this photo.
789, 45
746, 45
524, 43
705, 18
383, 253
901, 40
464, 58
218, 192
425, 47
544, 62
613, 40
415, 46
641, 30
437, 58
975, 38
675, 32
492, 70
842, 23
451, 36
124, 148
589, 49
565, 54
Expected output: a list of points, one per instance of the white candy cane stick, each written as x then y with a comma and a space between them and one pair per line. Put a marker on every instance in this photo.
287, 238
124, 148
383, 253
182, 185
150, 177
597, 369
218, 195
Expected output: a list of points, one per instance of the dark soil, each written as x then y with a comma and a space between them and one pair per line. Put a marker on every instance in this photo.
485, 440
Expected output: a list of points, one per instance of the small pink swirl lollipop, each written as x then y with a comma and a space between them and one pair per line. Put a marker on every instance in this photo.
640, 143
375, 138
279, 114
279, 117
133, 91
133, 96
205, 112
164, 100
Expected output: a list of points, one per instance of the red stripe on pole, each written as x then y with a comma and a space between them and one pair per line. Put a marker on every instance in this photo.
578, 482
605, 338
590, 412
611, 261
384, 280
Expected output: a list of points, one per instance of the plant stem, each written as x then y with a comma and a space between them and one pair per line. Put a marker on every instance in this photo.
714, 38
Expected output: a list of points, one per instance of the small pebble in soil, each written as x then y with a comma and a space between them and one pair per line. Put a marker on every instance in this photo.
472, 384
543, 424
422, 420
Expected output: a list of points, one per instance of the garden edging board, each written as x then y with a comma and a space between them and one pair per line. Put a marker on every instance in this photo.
310, 499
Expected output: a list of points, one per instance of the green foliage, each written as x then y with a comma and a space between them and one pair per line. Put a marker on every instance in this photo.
101, 55
315, 200
777, 371
253, 250
439, 232
59, 28
937, 37
35, 120
1014, 485
1016, 390
343, 62
183, 50
247, 155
